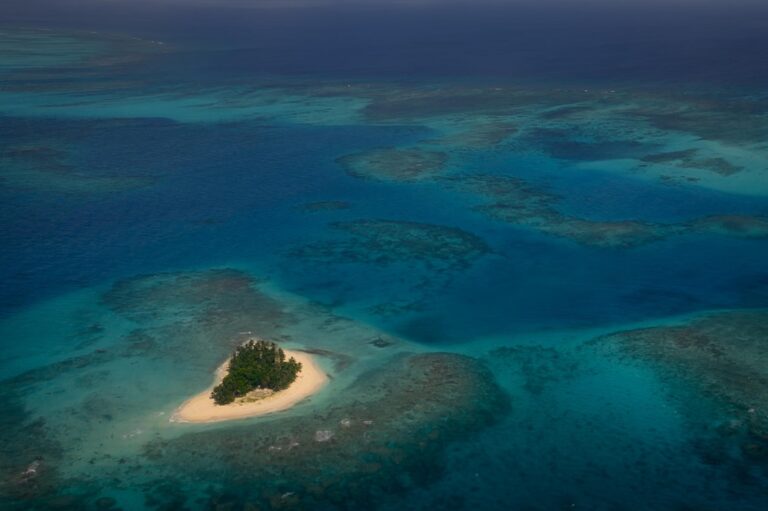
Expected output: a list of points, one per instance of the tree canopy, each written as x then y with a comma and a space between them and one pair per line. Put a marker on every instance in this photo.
256, 364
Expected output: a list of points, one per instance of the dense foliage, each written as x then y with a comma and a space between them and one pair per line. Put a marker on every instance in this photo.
256, 364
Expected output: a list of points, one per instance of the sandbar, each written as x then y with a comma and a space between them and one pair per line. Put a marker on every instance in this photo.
201, 408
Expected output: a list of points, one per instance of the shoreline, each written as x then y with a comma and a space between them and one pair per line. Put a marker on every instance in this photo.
200, 408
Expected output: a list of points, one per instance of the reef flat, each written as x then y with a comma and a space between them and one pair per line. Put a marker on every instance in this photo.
383, 435
383, 430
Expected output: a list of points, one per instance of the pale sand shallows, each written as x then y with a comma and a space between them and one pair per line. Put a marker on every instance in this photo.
201, 407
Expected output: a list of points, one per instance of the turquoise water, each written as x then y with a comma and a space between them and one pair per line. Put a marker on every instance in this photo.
542, 289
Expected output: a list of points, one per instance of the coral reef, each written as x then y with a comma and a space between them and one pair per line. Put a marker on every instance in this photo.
740, 226
485, 135
29, 452
731, 120
50, 168
539, 366
383, 242
516, 202
686, 159
320, 206
68, 61
395, 164
384, 434
212, 297
570, 144
721, 358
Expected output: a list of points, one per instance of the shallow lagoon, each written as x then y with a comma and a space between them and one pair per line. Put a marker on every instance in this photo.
527, 323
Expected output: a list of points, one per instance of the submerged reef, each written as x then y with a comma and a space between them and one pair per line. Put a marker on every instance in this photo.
741, 120
29, 451
740, 226
395, 164
575, 145
687, 159
51, 168
210, 298
612, 131
687, 138
431, 254
382, 435
321, 206
732, 120
383, 242
484, 135
410, 103
60, 60
721, 359
517, 202
75, 157
539, 367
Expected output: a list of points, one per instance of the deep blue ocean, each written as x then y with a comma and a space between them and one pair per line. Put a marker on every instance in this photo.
526, 240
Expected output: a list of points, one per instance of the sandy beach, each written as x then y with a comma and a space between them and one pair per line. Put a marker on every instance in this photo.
201, 408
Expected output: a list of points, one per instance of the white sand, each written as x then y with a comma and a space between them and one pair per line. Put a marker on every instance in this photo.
201, 407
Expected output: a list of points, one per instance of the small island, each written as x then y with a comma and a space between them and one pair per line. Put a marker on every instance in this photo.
256, 365
258, 379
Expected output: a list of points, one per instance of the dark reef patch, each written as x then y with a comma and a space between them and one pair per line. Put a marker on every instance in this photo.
402, 104
430, 102
566, 112
383, 242
47, 60
560, 143
539, 366
483, 136
29, 453
736, 120
385, 435
52, 168
687, 159
395, 164
432, 255
517, 202
671, 156
210, 297
196, 315
70, 365
740, 226
341, 361
320, 206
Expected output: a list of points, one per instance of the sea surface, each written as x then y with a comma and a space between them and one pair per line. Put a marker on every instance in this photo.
528, 241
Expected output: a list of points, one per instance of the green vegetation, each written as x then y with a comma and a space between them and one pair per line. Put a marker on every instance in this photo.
256, 364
